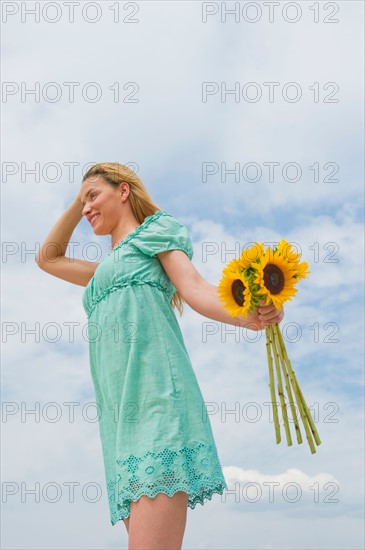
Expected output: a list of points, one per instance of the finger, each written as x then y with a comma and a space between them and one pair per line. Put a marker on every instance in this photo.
267, 309
269, 315
257, 325
271, 319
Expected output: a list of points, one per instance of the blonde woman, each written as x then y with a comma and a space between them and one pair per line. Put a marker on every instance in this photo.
158, 448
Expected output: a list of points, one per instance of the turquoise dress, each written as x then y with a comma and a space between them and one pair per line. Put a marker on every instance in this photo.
154, 428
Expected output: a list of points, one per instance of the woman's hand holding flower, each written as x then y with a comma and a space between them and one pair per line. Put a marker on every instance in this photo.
264, 316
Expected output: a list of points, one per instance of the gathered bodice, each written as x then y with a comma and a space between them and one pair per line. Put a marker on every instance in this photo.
134, 260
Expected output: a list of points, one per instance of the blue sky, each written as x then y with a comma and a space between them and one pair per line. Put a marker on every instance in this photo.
169, 135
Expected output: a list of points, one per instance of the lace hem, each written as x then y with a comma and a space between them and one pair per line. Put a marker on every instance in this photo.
194, 470
122, 284
205, 494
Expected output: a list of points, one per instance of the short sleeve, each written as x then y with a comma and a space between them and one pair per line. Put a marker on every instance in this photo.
162, 232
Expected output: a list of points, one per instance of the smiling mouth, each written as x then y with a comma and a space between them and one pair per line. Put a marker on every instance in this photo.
94, 218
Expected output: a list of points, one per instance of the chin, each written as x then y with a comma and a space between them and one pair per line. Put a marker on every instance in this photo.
100, 231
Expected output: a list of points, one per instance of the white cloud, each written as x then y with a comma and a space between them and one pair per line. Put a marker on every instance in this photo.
292, 475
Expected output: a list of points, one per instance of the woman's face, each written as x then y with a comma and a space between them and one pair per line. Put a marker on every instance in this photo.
102, 206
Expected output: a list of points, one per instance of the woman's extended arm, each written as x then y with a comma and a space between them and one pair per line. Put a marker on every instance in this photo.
204, 298
51, 256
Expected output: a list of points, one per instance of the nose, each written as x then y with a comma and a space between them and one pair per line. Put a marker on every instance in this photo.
85, 209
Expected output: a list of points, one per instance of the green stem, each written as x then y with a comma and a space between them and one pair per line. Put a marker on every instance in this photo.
310, 419
276, 329
280, 386
272, 387
303, 408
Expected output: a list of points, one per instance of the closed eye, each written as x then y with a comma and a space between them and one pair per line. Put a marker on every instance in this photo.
90, 194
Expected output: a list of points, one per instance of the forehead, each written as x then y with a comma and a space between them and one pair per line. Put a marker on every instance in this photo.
96, 181
93, 182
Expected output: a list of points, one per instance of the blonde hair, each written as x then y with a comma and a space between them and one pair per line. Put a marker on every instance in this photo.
141, 202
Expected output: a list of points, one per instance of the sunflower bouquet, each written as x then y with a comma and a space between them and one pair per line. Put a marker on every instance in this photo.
269, 276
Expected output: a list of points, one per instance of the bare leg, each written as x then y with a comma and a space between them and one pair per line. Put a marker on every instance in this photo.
126, 523
158, 523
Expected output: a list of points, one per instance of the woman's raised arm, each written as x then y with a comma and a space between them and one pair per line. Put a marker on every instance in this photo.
51, 256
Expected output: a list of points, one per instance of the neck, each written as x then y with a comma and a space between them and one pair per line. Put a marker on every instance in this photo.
127, 225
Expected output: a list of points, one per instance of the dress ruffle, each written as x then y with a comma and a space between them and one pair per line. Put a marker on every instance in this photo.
101, 295
194, 470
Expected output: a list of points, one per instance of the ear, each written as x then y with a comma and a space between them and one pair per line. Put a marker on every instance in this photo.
124, 188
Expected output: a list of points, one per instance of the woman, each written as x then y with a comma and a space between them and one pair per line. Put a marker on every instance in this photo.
158, 448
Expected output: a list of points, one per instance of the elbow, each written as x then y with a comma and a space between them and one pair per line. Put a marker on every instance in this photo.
38, 260
41, 262
41, 265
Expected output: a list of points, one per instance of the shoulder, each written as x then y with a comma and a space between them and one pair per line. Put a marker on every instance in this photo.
161, 232
162, 217
163, 221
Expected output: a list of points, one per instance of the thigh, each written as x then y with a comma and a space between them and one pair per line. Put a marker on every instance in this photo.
126, 523
158, 523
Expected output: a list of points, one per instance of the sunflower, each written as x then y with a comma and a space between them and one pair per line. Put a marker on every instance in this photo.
301, 270
276, 278
251, 255
286, 251
234, 291
232, 267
